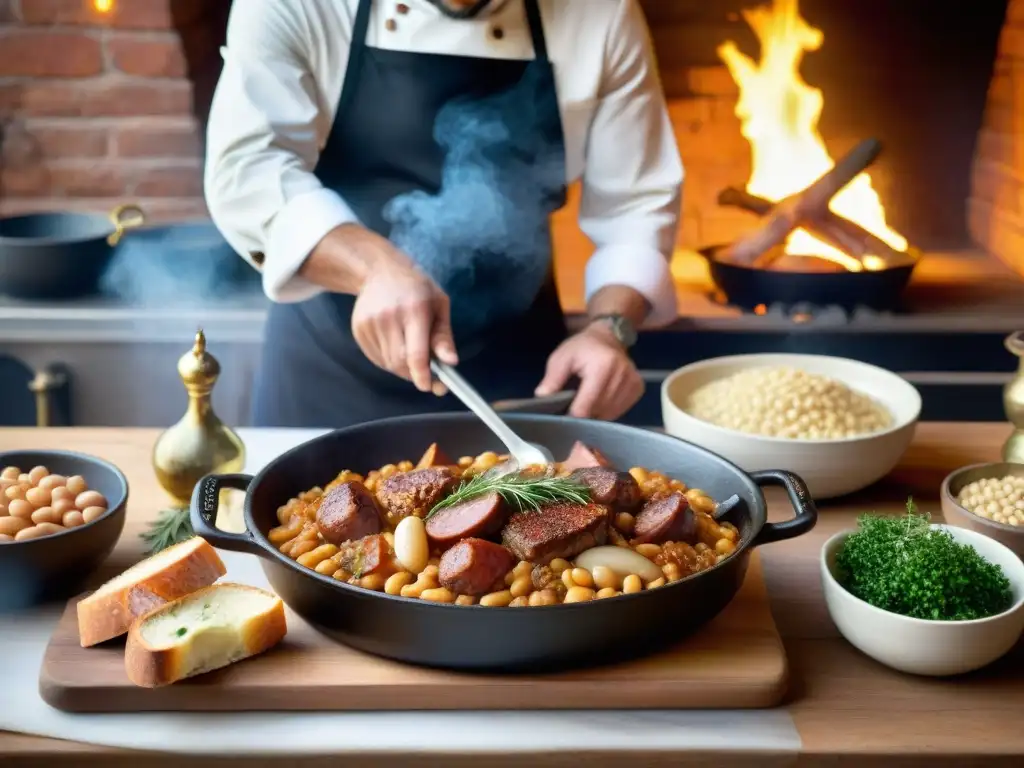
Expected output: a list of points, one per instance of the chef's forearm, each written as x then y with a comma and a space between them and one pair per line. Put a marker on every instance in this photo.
619, 300
344, 258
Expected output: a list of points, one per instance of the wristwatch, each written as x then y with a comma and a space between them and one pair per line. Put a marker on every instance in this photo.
622, 329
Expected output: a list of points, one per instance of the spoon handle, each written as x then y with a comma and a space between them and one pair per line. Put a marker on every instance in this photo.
463, 390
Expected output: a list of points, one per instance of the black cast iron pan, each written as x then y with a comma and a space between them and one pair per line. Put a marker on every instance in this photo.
498, 639
749, 287
60, 255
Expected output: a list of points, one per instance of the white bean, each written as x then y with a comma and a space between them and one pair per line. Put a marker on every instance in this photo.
411, 547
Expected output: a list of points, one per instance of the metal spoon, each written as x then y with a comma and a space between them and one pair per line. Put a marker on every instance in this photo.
523, 453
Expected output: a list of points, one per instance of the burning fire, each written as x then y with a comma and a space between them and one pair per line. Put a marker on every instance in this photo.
780, 112
103, 6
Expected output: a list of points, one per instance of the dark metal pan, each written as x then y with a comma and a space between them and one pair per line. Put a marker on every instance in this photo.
749, 287
500, 639
60, 255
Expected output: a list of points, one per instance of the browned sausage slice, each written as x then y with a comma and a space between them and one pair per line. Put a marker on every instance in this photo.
480, 517
474, 566
582, 456
369, 555
608, 487
347, 512
666, 518
434, 457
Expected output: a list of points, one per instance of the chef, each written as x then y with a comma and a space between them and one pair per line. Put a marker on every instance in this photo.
391, 168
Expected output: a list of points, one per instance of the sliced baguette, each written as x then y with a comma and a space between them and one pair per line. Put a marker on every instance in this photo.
175, 572
209, 629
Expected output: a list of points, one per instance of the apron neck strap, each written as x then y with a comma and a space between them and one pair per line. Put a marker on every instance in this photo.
540, 48
362, 24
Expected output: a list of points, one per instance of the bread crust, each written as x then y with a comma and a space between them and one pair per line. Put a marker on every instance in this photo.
150, 667
103, 615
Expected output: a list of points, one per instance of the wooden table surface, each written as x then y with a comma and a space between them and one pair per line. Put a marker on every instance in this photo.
848, 709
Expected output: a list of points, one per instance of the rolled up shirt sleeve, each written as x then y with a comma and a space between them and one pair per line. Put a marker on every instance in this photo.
263, 142
633, 176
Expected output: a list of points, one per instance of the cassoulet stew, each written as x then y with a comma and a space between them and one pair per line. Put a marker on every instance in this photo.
472, 531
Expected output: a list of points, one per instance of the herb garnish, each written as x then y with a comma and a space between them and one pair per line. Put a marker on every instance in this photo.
521, 490
902, 565
172, 526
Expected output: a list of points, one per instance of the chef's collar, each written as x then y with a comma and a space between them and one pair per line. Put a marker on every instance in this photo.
462, 13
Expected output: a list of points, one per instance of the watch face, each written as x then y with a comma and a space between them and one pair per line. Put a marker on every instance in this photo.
625, 331
622, 328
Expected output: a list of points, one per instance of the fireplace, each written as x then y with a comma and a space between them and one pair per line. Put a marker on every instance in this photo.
933, 82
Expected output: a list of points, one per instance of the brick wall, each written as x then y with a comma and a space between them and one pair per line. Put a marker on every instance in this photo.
96, 109
996, 207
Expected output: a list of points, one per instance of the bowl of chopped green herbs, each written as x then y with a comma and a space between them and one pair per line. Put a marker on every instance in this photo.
923, 598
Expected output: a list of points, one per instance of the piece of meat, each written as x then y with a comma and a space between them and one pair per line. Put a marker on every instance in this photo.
608, 487
556, 530
544, 578
474, 567
475, 518
347, 512
415, 492
666, 518
582, 456
434, 457
369, 555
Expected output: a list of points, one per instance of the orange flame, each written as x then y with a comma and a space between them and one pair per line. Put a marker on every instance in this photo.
103, 6
779, 114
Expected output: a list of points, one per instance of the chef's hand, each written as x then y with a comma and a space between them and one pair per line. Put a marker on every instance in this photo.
400, 315
609, 382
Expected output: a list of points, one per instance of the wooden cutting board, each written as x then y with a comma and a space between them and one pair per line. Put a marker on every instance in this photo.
736, 661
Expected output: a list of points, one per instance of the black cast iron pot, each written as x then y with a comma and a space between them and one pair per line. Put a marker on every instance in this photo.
750, 287
499, 639
60, 255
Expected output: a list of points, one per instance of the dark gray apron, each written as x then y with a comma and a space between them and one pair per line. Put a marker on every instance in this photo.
459, 161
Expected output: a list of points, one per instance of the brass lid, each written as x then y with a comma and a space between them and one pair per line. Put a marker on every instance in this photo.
197, 367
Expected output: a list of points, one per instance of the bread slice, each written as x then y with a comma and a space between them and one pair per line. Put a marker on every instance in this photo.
175, 572
206, 630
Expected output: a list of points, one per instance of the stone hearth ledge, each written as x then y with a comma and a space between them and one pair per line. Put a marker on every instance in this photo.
22, 709
237, 319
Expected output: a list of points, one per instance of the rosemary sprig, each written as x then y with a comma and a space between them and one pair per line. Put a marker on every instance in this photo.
171, 526
520, 490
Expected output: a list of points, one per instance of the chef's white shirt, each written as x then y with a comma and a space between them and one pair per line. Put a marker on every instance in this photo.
284, 66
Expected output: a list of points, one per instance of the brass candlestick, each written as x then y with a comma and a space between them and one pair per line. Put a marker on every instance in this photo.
1013, 402
200, 443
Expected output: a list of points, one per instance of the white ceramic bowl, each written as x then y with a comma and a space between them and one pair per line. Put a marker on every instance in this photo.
919, 646
829, 467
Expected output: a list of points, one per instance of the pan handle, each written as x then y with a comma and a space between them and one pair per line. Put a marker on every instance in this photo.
799, 497
125, 217
203, 513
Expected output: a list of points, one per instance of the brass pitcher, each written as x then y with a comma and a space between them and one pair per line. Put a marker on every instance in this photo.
1013, 402
200, 443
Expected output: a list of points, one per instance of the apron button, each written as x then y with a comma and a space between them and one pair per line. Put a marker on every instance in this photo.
402, 8
497, 33
390, 25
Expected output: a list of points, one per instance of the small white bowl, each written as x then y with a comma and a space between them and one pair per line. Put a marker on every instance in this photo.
920, 646
829, 467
